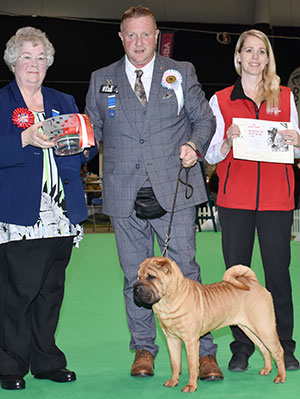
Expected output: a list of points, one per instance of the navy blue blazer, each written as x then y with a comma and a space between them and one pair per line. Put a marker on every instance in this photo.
21, 169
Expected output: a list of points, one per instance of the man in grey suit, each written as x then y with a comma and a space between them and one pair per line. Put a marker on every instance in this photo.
150, 125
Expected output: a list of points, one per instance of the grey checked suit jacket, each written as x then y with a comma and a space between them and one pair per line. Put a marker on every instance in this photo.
141, 143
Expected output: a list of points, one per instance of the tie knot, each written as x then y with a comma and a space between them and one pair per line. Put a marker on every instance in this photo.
139, 73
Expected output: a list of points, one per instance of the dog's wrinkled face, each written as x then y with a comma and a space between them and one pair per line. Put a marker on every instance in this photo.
153, 277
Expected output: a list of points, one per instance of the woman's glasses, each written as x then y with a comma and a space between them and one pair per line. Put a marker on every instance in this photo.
28, 59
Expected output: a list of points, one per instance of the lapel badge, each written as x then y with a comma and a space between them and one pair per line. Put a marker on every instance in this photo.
167, 95
109, 87
55, 112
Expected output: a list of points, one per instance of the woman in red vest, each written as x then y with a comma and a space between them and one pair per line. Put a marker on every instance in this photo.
257, 196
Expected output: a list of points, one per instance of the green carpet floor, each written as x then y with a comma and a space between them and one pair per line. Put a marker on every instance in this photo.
93, 334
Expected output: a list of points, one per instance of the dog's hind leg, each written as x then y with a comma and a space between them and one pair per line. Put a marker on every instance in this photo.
265, 352
268, 343
174, 345
271, 341
262, 323
278, 355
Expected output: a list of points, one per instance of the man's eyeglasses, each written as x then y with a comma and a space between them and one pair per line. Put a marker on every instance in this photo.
28, 59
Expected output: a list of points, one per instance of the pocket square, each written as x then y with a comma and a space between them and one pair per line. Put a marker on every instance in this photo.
167, 95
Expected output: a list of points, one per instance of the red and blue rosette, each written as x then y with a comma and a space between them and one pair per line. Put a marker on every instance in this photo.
23, 117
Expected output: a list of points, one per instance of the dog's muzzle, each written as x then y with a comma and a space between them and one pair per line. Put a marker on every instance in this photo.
144, 294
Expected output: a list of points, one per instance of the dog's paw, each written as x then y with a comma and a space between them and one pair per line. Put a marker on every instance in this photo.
265, 371
171, 383
189, 388
279, 379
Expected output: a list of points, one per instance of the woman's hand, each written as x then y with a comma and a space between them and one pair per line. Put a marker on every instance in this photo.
290, 137
33, 136
232, 132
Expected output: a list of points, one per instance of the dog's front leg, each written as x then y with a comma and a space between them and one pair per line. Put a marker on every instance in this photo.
174, 345
192, 351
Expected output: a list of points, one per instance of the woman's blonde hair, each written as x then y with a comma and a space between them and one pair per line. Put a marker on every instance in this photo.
269, 87
27, 34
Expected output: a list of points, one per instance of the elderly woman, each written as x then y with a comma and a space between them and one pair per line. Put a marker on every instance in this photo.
42, 204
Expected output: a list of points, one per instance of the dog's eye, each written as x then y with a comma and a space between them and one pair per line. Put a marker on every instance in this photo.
150, 277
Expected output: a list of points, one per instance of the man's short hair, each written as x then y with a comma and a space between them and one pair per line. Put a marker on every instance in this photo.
136, 12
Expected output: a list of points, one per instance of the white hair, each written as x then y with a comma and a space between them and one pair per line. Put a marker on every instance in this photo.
27, 34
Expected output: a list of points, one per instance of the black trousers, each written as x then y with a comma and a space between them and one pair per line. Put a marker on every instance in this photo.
32, 277
274, 235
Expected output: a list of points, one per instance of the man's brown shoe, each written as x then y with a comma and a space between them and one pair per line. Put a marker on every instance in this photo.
209, 369
143, 365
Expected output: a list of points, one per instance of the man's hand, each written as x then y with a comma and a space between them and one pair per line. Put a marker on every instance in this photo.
188, 154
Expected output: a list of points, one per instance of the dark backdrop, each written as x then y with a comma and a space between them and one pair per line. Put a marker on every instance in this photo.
84, 46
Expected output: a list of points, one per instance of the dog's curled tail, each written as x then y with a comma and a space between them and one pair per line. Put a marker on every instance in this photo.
240, 276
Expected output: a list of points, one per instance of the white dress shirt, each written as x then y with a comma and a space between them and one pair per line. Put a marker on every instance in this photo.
146, 77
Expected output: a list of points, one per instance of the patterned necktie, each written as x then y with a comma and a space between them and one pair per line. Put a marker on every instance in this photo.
139, 87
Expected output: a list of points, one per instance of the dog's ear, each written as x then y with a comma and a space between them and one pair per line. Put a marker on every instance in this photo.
164, 264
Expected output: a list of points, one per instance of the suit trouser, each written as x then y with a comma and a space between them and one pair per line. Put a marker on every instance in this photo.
32, 277
135, 242
274, 235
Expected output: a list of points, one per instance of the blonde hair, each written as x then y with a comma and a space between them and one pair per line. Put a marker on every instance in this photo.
27, 34
269, 88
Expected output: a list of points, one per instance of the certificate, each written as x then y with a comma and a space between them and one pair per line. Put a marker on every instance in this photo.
260, 140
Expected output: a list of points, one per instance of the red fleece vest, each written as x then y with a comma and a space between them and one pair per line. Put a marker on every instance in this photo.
254, 185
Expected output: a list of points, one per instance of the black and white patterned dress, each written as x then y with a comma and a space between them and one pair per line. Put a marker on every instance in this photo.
53, 219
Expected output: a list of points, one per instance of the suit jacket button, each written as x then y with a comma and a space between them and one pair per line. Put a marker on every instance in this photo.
142, 141
137, 166
66, 181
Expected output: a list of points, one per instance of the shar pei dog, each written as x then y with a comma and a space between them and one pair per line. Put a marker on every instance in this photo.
186, 310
